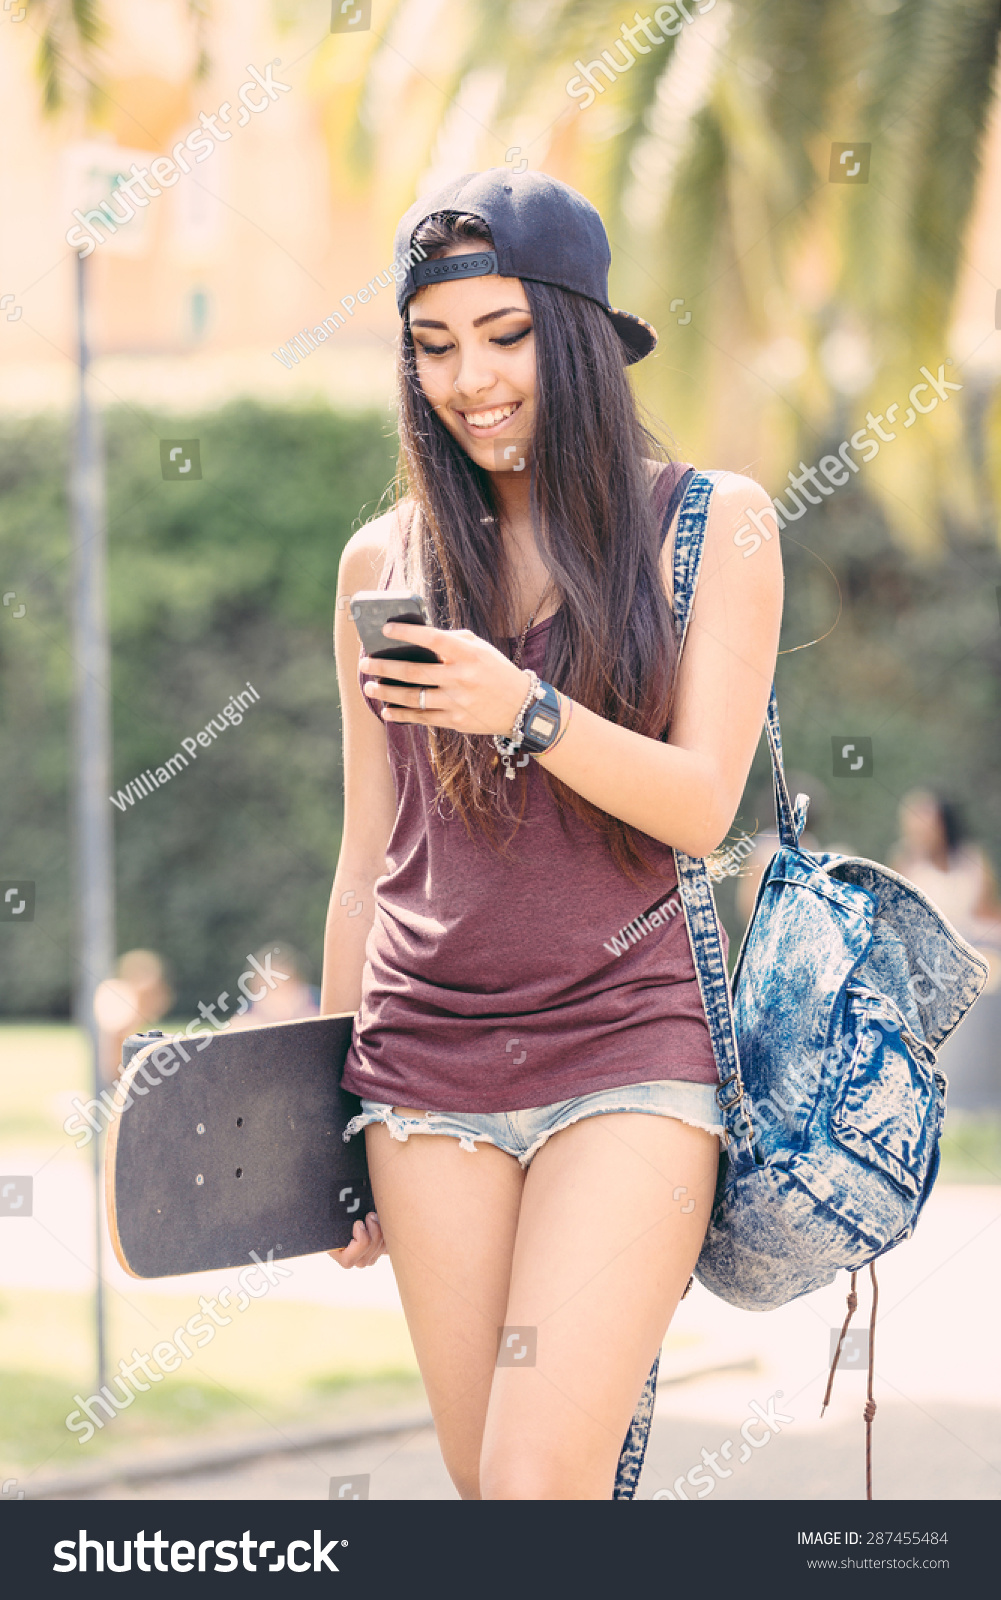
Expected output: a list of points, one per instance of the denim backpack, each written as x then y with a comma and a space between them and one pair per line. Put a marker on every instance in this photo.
847, 982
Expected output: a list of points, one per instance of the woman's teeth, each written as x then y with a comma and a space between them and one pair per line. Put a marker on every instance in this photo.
490, 419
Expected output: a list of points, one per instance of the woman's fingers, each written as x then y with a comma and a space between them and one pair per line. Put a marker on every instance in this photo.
367, 1244
373, 1228
376, 1242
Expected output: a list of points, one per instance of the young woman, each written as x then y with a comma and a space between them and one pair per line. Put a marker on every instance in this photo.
520, 967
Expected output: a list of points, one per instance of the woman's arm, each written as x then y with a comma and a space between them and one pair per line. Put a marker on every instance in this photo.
369, 795
685, 792
369, 811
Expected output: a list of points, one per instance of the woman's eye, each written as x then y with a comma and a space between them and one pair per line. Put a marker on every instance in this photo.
506, 340
509, 339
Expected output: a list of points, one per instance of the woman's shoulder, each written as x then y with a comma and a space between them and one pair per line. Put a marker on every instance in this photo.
368, 550
741, 514
734, 492
739, 493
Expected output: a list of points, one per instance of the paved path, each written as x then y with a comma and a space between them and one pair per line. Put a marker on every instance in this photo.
938, 1380
946, 1453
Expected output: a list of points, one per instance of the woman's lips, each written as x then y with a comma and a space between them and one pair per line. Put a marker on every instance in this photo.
478, 432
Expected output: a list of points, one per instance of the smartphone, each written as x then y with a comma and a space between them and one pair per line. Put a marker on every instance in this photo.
370, 608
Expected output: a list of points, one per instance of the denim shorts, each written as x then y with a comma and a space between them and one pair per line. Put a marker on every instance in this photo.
523, 1133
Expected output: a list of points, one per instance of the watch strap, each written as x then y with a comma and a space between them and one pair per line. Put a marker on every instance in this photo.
542, 722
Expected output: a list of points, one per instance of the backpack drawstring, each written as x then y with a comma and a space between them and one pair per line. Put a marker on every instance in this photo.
870, 1404
869, 1410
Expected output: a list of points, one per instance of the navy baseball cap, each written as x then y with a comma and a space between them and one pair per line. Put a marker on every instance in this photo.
542, 230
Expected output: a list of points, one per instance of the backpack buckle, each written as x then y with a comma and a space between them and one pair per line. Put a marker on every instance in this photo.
728, 1105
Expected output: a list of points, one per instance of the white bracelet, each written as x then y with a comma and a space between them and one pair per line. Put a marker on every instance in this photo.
507, 747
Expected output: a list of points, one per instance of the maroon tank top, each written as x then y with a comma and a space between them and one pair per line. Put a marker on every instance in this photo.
496, 985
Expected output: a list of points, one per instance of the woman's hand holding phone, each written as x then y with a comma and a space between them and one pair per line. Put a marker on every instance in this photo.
473, 688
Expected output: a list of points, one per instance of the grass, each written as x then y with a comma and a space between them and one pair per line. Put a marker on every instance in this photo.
42, 1066
971, 1148
281, 1365
181, 1413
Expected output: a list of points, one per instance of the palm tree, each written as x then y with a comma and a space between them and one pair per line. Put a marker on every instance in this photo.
70, 33
788, 304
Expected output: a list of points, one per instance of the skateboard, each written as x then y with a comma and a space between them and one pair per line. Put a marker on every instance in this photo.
228, 1145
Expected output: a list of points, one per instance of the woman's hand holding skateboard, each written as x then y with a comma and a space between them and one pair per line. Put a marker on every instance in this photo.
366, 1246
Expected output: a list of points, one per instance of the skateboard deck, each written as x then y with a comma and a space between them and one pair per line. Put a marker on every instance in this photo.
236, 1151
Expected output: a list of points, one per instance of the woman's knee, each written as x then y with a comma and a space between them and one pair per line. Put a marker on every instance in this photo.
509, 1473
464, 1470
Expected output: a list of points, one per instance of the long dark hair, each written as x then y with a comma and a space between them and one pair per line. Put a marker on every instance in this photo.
611, 644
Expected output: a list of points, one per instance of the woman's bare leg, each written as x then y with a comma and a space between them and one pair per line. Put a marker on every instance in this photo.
602, 1256
449, 1217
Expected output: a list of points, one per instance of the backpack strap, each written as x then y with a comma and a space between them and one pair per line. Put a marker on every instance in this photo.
693, 878
789, 819
678, 491
703, 924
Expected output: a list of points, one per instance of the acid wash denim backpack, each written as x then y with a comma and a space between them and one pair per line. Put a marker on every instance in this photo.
847, 982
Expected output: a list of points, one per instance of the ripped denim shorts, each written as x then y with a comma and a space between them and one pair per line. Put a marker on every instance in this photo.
523, 1133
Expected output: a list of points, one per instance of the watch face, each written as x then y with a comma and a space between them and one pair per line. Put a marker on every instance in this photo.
542, 726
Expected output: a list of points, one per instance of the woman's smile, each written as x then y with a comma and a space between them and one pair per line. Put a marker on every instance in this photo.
485, 422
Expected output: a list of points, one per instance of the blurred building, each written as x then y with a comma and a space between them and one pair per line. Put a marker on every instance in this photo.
256, 242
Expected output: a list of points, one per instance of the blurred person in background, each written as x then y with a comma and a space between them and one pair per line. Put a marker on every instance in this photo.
936, 853
132, 1001
292, 998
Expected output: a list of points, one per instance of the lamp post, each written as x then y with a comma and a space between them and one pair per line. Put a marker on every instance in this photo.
93, 836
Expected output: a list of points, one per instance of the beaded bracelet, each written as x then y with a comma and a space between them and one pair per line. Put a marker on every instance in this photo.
507, 746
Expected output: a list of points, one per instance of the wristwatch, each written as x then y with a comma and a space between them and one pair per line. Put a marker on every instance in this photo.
542, 722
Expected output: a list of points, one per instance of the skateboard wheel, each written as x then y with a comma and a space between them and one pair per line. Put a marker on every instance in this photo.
200, 1128
199, 1179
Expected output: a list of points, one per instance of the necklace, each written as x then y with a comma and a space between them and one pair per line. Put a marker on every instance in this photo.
516, 658
519, 647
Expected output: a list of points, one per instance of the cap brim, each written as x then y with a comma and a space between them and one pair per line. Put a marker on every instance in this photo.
638, 337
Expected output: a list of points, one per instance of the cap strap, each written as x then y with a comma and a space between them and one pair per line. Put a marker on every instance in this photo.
476, 265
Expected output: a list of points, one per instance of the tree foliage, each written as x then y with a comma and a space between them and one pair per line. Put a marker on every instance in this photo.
211, 583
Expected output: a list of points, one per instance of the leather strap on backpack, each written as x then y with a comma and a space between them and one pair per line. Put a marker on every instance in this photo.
869, 1410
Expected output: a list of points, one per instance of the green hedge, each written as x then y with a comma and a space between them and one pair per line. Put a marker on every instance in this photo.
230, 578
211, 583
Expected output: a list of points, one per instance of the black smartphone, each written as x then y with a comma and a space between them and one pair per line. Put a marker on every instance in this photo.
370, 608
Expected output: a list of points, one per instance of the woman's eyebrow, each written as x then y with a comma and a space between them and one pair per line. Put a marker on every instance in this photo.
491, 316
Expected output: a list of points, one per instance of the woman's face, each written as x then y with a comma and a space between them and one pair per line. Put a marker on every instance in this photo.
475, 352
